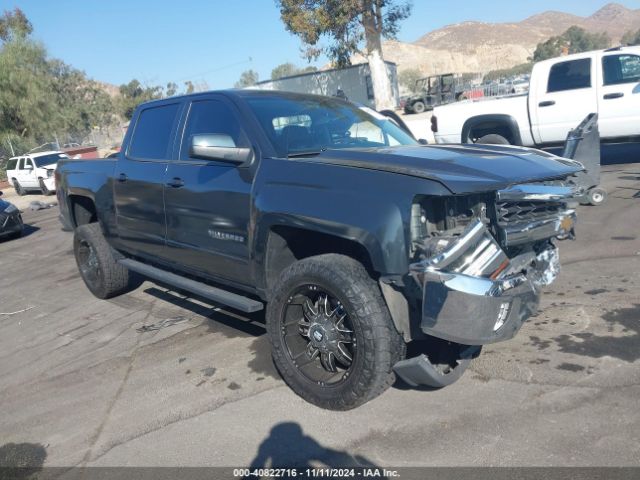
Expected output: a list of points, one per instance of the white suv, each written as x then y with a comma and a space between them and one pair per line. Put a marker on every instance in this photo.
34, 171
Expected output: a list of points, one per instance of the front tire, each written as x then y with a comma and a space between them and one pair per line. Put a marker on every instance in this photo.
332, 337
597, 196
97, 263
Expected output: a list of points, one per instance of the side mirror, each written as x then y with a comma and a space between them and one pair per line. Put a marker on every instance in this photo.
218, 146
422, 141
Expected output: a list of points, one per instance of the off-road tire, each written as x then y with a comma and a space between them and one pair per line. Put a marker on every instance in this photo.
418, 107
18, 188
380, 346
493, 139
111, 278
43, 187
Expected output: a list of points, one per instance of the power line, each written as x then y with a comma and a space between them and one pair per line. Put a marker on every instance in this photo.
235, 64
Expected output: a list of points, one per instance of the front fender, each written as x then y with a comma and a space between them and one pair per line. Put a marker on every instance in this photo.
371, 208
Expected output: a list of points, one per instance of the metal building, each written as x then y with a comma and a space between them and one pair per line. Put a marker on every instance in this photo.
354, 81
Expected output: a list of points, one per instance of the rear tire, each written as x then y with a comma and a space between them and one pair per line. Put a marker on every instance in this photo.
493, 139
343, 303
419, 107
97, 263
43, 187
18, 188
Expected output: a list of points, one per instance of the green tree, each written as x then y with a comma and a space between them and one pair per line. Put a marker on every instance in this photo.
288, 69
40, 97
283, 70
631, 38
408, 78
521, 69
14, 25
340, 28
574, 40
248, 78
134, 93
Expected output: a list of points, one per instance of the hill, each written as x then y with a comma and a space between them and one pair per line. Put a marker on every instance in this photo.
480, 47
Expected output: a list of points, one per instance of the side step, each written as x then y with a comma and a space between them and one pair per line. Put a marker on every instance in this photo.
233, 300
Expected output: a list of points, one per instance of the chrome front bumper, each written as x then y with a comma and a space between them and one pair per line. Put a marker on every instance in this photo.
489, 305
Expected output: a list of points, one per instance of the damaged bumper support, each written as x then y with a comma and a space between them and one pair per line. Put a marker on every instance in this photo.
474, 294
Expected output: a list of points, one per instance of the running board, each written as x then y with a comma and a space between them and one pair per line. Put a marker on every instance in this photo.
218, 295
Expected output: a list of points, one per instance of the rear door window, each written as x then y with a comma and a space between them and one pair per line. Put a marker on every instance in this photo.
621, 69
153, 134
570, 75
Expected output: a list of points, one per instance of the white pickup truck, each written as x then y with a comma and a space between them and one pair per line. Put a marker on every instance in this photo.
562, 92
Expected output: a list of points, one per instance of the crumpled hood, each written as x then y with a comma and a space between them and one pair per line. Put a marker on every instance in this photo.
460, 168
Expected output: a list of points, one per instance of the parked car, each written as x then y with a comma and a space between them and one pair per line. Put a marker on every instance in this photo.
562, 92
11, 225
358, 238
519, 86
34, 171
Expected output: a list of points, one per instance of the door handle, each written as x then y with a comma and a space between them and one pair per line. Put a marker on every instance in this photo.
610, 96
122, 178
547, 103
176, 183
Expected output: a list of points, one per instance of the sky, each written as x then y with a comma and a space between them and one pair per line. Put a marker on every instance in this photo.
213, 41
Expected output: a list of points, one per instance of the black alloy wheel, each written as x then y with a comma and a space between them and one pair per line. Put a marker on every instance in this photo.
319, 335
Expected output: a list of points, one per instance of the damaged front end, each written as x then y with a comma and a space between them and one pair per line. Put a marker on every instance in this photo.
480, 262
481, 280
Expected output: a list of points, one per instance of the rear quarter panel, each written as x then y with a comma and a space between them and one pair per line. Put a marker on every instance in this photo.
91, 179
452, 117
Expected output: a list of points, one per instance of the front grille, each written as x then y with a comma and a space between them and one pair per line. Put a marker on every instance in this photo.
511, 213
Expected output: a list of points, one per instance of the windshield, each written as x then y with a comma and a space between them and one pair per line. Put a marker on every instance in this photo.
51, 159
298, 126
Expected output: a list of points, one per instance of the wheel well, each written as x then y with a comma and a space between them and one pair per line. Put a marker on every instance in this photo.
498, 124
286, 245
496, 128
83, 210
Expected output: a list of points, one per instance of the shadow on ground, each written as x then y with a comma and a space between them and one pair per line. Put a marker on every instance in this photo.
288, 446
21, 460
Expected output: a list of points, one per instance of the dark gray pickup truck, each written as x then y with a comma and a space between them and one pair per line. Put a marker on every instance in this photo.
375, 255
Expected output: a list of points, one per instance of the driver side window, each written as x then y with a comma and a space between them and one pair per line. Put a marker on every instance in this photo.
215, 118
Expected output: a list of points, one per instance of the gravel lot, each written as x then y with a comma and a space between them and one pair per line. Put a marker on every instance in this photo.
155, 378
